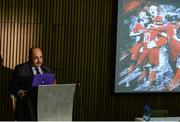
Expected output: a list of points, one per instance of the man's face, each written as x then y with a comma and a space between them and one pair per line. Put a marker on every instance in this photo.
36, 57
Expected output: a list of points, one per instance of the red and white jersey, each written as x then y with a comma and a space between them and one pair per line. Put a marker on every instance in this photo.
169, 28
137, 27
155, 34
150, 35
174, 45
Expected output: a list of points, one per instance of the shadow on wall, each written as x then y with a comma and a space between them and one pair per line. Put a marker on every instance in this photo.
5, 105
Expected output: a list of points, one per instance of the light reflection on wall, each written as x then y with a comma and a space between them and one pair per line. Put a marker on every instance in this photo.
18, 31
16, 39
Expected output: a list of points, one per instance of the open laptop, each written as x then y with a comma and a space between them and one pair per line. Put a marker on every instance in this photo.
43, 79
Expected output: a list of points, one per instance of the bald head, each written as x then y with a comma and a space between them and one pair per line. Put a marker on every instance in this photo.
35, 56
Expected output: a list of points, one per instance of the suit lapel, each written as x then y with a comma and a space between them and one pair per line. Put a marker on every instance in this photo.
30, 70
43, 69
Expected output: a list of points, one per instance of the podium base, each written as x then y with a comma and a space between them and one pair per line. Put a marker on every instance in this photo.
55, 102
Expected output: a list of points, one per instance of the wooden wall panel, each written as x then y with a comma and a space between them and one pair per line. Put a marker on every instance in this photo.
78, 40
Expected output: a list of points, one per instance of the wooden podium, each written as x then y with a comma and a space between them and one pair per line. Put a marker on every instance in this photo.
55, 102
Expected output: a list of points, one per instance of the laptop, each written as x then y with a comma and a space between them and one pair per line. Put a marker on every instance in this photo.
43, 79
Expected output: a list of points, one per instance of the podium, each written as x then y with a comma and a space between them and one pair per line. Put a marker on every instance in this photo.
55, 102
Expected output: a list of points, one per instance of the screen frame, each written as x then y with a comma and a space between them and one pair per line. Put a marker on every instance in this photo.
119, 9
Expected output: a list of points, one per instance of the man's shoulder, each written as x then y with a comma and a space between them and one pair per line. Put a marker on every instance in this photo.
23, 65
45, 69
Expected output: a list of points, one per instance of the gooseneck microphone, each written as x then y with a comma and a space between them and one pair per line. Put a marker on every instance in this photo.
76, 81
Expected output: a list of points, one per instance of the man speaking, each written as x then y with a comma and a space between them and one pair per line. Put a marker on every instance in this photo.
22, 89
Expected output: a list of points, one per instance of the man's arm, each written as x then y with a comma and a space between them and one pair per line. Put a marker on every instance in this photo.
15, 87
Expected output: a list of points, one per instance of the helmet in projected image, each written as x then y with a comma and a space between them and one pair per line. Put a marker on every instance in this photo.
143, 17
153, 10
158, 20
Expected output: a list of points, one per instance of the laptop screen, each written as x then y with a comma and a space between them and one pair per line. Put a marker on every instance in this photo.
43, 79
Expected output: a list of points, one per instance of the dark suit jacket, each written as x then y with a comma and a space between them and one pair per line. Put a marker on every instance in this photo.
22, 79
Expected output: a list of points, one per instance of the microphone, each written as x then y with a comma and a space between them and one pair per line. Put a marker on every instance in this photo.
76, 81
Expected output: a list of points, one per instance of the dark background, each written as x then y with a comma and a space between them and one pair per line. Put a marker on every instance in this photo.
78, 38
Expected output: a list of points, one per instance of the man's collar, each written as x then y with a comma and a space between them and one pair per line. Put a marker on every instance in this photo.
35, 67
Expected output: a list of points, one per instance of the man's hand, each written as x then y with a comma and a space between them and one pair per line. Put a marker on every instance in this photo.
21, 93
55, 81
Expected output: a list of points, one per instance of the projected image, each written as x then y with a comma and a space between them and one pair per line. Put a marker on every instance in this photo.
148, 46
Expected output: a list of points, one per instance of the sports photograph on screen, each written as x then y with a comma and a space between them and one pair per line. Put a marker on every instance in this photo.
147, 46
